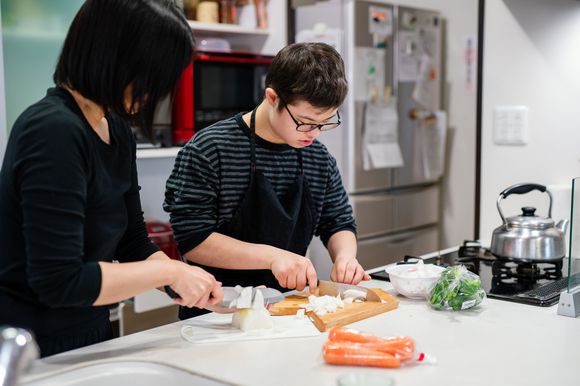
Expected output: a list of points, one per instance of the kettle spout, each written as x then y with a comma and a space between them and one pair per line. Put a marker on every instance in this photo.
562, 225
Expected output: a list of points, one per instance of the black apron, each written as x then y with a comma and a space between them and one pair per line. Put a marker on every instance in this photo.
263, 218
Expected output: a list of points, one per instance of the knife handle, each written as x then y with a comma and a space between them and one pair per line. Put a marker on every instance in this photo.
171, 293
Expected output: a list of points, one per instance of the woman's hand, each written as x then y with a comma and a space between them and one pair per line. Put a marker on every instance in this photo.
196, 287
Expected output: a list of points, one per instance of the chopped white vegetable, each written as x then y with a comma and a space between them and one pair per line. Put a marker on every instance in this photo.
421, 270
354, 294
248, 319
258, 302
245, 298
322, 305
255, 318
300, 314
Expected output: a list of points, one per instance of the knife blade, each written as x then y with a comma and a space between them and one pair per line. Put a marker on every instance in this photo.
331, 288
231, 294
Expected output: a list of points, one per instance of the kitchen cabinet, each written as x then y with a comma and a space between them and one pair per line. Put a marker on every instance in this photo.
266, 41
393, 248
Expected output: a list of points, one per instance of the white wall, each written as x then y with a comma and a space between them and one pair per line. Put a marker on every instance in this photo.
458, 194
532, 58
3, 129
153, 174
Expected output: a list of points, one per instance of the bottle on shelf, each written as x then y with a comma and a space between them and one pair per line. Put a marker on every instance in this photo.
261, 14
228, 14
207, 11
189, 8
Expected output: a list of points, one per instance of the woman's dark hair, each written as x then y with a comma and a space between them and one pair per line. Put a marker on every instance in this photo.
311, 72
112, 44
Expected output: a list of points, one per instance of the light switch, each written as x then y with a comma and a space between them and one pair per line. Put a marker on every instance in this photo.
510, 125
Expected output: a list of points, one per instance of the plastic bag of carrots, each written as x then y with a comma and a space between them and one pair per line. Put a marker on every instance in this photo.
347, 346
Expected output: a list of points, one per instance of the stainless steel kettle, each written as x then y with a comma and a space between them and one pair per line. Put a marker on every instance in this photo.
528, 237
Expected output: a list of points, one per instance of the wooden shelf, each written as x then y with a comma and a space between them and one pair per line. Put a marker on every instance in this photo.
218, 29
160, 152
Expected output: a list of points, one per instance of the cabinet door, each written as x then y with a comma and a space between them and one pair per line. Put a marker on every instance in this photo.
374, 213
416, 208
380, 251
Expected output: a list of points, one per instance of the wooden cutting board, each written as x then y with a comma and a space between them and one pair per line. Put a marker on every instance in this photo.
349, 314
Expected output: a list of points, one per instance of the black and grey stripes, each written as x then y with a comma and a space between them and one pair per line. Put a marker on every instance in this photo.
212, 173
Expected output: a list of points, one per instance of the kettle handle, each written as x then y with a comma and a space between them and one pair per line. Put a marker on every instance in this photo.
522, 189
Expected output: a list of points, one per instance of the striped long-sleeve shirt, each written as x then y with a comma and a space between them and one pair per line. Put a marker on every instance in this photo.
212, 173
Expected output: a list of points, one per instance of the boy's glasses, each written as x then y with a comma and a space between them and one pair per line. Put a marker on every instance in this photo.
306, 127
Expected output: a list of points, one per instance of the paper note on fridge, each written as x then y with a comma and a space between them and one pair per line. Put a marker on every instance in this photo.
409, 56
380, 140
369, 74
426, 91
385, 155
433, 137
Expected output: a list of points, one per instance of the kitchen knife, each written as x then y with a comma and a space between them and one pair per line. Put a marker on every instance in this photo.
270, 295
333, 289
231, 295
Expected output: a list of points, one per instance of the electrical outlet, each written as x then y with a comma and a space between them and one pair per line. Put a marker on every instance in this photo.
510, 125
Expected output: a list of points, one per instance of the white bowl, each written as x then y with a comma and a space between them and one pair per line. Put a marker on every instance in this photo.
414, 287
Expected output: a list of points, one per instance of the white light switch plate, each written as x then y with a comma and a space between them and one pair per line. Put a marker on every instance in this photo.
510, 125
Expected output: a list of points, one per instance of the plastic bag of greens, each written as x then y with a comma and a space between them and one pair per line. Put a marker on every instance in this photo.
457, 289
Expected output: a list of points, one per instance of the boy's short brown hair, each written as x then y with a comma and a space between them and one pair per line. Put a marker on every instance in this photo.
310, 72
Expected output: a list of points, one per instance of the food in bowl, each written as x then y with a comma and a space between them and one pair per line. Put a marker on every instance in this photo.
414, 280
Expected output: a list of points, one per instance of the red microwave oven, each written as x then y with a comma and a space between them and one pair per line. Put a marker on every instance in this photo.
214, 87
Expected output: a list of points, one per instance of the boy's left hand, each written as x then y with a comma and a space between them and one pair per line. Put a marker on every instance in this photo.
348, 270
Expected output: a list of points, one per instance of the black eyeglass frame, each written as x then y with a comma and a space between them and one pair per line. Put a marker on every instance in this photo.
312, 126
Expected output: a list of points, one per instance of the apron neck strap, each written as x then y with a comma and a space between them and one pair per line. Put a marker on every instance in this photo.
300, 161
253, 140
253, 145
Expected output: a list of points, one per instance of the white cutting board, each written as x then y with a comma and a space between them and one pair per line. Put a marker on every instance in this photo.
217, 328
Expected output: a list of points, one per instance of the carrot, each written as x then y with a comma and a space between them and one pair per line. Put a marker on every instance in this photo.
341, 333
345, 334
340, 353
404, 354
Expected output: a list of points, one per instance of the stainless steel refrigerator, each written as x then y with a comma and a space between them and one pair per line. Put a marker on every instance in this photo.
390, 148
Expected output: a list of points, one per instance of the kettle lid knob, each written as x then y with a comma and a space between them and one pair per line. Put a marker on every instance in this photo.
528, 211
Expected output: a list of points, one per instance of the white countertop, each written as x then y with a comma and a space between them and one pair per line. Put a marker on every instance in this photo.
497, 343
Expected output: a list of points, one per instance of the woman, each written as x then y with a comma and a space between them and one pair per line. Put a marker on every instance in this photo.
69, 198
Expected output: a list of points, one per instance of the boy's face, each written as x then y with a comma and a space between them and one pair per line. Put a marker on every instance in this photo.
301, 114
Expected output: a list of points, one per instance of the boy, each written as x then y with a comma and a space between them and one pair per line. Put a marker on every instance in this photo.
248, 193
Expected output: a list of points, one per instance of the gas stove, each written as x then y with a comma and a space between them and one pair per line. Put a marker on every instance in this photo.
530, 282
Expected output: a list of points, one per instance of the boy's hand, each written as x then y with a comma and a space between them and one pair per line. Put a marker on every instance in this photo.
348, 270
294, 271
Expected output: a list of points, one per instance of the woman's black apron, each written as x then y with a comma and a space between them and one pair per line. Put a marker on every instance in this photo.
264, 218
